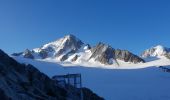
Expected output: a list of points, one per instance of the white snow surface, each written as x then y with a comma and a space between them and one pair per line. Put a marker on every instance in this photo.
143, 81
56, 45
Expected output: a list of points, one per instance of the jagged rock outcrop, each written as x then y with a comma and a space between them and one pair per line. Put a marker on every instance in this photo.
43, 54
25, 82
74, 58
89, 95
167, 55
102, 53
127, 56
28, 54
105, 53
66, 56
17, 54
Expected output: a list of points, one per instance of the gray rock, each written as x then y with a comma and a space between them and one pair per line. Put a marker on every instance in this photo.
28, 54
167, 55
127, 56
102, 53
49, 49
65, 56
25, 82
75, 58
89, 95
17, 54
3, 96
43, 54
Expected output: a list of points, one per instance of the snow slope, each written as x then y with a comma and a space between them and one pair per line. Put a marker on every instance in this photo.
150, 61
135, 82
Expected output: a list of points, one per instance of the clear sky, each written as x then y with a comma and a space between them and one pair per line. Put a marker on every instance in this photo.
126, 24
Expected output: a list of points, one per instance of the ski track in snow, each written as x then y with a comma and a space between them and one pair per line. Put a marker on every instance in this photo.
135, 82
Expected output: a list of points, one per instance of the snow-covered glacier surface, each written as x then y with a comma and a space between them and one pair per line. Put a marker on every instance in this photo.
134, 82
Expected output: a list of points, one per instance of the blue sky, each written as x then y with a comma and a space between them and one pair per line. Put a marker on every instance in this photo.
126, 24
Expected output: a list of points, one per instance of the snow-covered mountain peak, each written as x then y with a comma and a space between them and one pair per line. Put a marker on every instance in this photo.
68, 40
157, 51
159, 47
70, 36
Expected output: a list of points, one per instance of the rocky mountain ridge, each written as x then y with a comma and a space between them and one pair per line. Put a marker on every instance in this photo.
72, 48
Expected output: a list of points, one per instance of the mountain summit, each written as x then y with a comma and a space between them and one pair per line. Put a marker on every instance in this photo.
67, 43
108, 55
73, 50
157, 51
58, 48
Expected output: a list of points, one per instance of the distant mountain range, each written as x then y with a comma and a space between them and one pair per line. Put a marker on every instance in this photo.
73, 50
157, 51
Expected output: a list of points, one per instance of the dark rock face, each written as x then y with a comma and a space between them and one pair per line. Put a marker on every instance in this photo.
43, 54
25, 82
102, 53
167, 55
17, 54
28, 54
127, 56
65, 57
89, 95
49, 49
75, 58
3, 96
